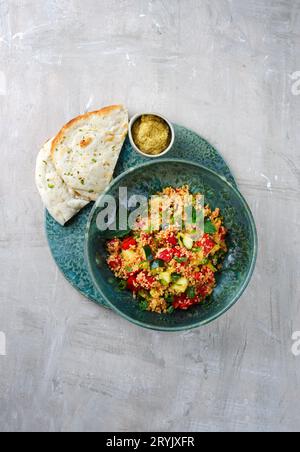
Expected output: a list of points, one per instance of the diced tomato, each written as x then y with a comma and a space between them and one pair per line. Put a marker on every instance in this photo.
132, 273
183, 302
178, 252
205, 288
150, 280
209, 275
206, 243
198, 276
172, 240
128, 243
203, 291
132, 284
166, 255
145, 281
115, 264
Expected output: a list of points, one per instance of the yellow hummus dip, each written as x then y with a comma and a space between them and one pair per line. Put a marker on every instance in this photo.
151, 134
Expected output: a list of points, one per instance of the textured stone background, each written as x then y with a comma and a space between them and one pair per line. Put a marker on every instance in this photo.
223, 68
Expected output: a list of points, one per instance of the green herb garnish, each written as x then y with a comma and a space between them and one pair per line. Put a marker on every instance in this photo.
175, 277
122, 285
148, 253
170, 299
108, 235
170, 310
143, 305
194, 215
180, 260
191, 292
209, 227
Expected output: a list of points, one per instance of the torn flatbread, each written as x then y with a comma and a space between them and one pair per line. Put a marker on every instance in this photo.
62, 202
86, 150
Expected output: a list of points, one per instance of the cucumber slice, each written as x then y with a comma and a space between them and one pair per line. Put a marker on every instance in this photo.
181, 285
165, 278
129, 255
187, 241
144, 265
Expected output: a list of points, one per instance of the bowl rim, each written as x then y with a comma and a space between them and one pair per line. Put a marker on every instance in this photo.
137, 149
235, 298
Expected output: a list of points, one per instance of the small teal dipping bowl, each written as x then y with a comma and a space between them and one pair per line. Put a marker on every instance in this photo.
239, 264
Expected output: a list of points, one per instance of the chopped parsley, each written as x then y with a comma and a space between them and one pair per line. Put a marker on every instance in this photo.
122, 285
191, 292
170, 299
209, 227
180, 260
143, 305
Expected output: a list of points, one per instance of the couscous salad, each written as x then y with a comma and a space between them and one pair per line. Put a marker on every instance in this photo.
170, 267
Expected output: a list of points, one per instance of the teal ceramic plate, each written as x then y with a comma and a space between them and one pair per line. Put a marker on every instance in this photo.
67, 243
148, 179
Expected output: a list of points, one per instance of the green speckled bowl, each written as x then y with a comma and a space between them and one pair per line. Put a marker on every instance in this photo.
239, 264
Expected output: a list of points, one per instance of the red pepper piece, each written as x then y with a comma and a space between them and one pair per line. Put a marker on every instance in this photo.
115, 264
166, 255
198, 276
183, 302
172, 240
179, 253
128, 243
132, 284
206, 243
203, 291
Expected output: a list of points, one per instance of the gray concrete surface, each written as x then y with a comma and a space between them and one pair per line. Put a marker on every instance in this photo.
224, 68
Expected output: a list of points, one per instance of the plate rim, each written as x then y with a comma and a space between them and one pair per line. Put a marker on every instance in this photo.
245, 283
180, 127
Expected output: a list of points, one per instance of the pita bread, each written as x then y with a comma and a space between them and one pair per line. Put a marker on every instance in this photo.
86, 150
61, 202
